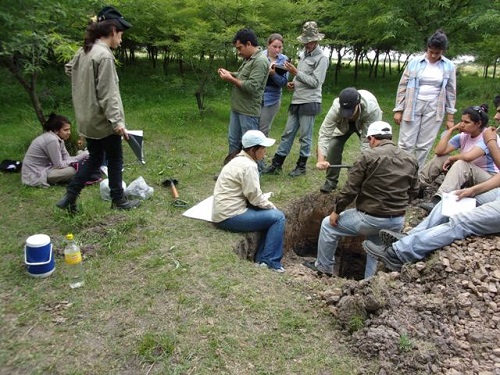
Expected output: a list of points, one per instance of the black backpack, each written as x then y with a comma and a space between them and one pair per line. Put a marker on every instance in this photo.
9, 165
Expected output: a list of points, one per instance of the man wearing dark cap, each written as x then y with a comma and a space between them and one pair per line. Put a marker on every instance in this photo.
307, 84
381, 183
98, 107
352, 112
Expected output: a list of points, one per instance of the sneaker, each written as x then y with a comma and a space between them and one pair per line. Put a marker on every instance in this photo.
261, 265
384, 253
279, 270
388, 237
327, 188
312, 266
125, 204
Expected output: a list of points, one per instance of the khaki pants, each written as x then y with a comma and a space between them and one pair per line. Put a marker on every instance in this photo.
432, 170
461, 174
59, 175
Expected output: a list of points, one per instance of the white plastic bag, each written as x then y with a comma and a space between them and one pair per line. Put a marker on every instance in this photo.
139, 189
104, 189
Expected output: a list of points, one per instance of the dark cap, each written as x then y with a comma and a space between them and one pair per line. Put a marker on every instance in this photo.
110, 13
349, 98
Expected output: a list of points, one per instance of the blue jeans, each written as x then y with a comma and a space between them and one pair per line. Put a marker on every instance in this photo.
111, 148
272, 225
352, 223
239, 124
437, 230
305, 124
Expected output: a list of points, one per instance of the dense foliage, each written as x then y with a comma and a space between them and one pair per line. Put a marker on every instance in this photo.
193, 33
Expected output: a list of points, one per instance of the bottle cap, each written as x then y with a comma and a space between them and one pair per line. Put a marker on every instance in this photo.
69, 236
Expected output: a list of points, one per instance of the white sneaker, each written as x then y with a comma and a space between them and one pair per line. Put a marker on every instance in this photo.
261, 265
279, 270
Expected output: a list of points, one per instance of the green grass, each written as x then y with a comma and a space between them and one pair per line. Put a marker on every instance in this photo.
163, 294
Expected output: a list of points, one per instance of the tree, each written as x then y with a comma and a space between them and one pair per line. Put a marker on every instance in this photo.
33, 40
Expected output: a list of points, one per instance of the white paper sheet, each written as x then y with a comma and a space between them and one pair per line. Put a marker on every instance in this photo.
201, 211
451, 205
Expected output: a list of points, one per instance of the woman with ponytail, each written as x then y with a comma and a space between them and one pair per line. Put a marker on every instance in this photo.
98, 107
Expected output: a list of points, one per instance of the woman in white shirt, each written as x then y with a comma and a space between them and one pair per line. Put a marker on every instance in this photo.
426, 92
240, 206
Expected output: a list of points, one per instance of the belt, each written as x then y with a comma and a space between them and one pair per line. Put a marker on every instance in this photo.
397, 214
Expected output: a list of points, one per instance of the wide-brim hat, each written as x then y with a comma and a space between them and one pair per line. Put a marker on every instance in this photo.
310, 33
110, 13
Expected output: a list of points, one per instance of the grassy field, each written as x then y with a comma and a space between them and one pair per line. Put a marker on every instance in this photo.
164, 294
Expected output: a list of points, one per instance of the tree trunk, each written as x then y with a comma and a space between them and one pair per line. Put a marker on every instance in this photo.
30, 87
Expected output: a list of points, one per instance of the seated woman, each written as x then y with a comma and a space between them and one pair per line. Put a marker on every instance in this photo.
471, 166
240, 206
47, 162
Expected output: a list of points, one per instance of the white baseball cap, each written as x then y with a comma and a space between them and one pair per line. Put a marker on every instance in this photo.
379, 128
256, 138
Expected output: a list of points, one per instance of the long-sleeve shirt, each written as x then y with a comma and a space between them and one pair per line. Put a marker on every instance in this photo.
382, 181
46, 152
334, 125
252, 73
95, 90
237, 186
408, 88
311, 74
275, 83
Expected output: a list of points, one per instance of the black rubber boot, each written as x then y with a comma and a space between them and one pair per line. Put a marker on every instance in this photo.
68, 202
300, 168
276, 165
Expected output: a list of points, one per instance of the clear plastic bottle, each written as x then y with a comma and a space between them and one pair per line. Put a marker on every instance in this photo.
73, 260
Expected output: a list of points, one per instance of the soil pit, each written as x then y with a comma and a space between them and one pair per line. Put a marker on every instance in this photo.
303, 222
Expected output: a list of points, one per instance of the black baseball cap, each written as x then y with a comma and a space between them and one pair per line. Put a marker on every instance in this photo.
110, 13
349, 98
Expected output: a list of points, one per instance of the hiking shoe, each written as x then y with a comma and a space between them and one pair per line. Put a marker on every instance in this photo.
388, 237
327, 188
427, 206
125, 204
312, 266
384, 253
68, 203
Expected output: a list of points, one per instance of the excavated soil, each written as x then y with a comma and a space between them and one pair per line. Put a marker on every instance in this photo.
438, 316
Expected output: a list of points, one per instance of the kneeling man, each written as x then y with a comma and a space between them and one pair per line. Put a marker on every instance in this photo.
382, 182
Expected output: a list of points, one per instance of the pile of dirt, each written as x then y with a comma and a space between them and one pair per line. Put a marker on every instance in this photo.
441, 316
438, 316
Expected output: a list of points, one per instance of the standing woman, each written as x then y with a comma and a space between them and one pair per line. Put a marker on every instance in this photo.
426, 92
277, 79
240, 206
47, 162
98, 107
